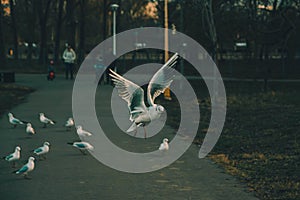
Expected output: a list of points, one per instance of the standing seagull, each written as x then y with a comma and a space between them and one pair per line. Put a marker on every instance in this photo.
14, 121
82, 133
28, 167
13, 157
41, 151
45, 120
165, 145
133, 94
69, 123
29, 129
82, 146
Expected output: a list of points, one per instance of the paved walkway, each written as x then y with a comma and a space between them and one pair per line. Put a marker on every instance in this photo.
67, 174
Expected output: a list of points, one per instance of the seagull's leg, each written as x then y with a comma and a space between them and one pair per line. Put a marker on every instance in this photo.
13, 164
27, 177
135, 132
15, 125
82, 151
44, 125
145, 133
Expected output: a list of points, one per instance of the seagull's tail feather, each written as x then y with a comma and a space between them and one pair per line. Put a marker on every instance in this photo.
133, 127
70, 143
24, 122
16, 171
52, 122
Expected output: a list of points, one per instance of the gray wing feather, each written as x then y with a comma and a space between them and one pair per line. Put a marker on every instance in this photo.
161, 80
131, 93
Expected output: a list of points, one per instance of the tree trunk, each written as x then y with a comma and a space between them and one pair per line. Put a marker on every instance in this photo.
14, 29
81, 32
58, 31
43, 11
70, 22
104, 23
2, 44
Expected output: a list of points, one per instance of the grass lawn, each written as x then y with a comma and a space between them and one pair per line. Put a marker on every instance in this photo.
11, 95
260, 142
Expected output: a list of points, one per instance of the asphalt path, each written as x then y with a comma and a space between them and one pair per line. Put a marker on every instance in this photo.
68, 174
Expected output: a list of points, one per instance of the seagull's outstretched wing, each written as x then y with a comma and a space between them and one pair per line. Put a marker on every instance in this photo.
161, 80
131, 93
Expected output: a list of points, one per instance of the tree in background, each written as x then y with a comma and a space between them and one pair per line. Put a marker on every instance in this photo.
2, 44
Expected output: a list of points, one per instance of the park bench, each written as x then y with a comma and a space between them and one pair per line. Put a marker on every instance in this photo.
7, 76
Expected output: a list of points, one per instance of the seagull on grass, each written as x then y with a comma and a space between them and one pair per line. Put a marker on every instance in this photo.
41, 151
28, 167
164, 146
14, 121
82, 133
45, 120
133, 94
13, 157
29, 129
82, 146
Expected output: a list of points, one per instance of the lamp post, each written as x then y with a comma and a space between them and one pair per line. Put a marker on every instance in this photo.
114, 8
167, 93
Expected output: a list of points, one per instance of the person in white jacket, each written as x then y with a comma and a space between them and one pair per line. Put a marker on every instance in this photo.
69, 57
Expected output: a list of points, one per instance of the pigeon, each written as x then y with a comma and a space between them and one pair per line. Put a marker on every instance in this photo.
69, 123
165, 145
13, 157
14, 121
82, 146
29, 129
41, 151
133, 94
82, 133
45, 120
28, 167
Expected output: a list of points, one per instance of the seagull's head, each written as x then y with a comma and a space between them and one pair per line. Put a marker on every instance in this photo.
166, 140
160, 109
79, 127
46, 144
31, 158
29, 124
10, 114
41, 114
18, 148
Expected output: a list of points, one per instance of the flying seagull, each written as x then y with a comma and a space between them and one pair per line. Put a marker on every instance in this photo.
14, 121
13, 157
29, 129
82, 146
133, 94
45, 120
41, 151
82, 133
28, 167
164, 146
69, 123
